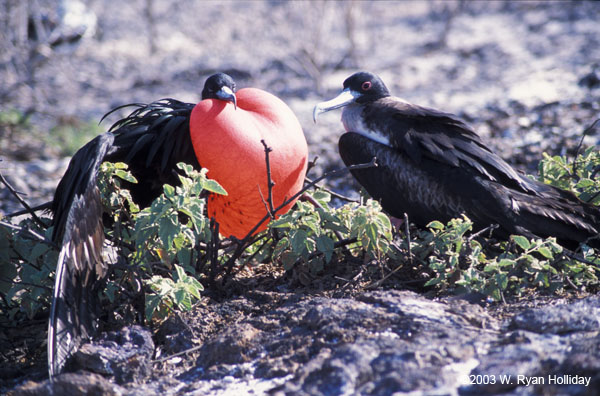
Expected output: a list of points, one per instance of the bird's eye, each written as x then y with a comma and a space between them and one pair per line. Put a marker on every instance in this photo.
366, 85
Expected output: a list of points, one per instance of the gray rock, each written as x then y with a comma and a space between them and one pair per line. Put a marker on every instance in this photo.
560, 319
123, 355
72, 384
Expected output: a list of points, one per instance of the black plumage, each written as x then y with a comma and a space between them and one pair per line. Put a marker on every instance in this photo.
432, 166
151, 141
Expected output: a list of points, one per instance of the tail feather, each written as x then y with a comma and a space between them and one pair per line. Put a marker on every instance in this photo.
72, 316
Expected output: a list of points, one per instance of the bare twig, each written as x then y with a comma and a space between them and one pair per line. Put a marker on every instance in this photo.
407, 231
22, 201
30, 231
489, 228
44, 206
378, 283
577, 257
349, 281
333, 193
192, 349
311, 164
583, 135
270, 183
233, 273
212, 251
570, 283
13, 282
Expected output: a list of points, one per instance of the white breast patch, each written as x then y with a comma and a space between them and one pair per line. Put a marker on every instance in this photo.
353, 122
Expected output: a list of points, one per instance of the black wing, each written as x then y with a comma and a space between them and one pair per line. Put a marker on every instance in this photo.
422, 133
151, 140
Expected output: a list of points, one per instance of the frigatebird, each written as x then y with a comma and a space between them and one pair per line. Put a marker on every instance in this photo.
223, 133
432, 166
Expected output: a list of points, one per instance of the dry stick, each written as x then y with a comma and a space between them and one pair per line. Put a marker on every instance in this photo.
30, 231
192, 349
311, 164
22, 201
574, 256
349, 281
270, 183
407, 230
334, 194
376, 284
44, 206
234, 272
583, 135
213, 249
241, 246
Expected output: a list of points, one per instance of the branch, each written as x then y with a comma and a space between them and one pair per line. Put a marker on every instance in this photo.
407, 230
334, 194
44, 206
270, 182
583, 135
30, 231
22, 201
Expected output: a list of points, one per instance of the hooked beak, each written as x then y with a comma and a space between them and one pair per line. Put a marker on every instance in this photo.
346, 97
225, 93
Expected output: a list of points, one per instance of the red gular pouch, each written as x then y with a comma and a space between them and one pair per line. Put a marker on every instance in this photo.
227, 142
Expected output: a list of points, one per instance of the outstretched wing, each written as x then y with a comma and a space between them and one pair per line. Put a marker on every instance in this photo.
78, 230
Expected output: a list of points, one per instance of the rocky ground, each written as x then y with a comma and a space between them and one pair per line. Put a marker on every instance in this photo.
526, 75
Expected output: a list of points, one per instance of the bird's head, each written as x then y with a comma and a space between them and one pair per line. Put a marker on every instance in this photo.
361, 87
220, 86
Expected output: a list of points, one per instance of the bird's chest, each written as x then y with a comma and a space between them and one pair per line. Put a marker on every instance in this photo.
353, 118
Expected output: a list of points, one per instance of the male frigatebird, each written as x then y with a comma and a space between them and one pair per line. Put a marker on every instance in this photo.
224, 133
432, 166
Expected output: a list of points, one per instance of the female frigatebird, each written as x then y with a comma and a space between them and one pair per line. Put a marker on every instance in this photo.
432, 166
223, 133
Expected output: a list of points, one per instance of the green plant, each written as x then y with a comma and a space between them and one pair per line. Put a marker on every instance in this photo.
314, 232
26, 266
579, 176
171, 248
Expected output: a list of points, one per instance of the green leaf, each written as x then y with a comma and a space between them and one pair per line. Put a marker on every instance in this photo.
502, 280
436, 225
288, 259
181, 276
169, 190
325, 245
521, 241
544, 251
507, 263
168, 230
214, 187
182, 299
300, 242
152, 303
